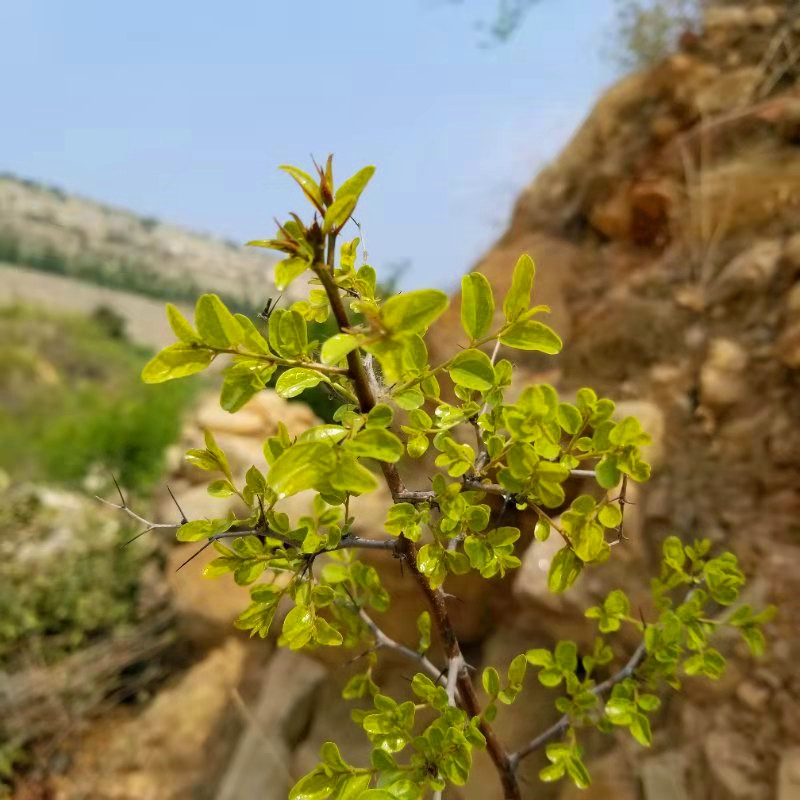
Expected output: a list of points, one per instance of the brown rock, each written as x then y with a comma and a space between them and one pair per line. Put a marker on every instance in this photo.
612, 777
613, 215
751, 271
789, 775
787, 347
664, 777
217, 420
721, 381
664, 127
725, 17
793, 301
763, 16
733, 765
791, 253
272, 408
753, 695
160, 752
260, 763
206, 607
729, 90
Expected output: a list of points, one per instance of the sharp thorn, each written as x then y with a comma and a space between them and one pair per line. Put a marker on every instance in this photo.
138, 535
194, 555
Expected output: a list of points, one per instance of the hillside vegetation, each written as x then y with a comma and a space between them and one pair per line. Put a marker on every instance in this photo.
72, 404
45, 228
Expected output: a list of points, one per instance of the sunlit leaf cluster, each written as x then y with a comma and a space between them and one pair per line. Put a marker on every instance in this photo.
478, 449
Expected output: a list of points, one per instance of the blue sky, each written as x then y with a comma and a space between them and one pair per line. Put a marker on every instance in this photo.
183, 110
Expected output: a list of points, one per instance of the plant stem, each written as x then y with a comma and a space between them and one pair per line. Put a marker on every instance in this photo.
559, 727
408, 550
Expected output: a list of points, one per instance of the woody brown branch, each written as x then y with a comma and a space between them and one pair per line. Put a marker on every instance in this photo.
436, 600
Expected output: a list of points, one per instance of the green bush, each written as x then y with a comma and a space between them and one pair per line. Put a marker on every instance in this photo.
71, 403
64, 579
393, 405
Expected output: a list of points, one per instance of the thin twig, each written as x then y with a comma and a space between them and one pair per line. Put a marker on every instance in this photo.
383, 640
559, 727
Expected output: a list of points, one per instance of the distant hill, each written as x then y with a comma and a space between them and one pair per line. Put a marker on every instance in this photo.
45, 228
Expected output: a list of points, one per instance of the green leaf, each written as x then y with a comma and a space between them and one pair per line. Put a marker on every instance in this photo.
532, 335
215, 324
578, 772
542, 530
413, 312
673, 553
355, 185
298, 627
221, 488
548, 774
424, 628
180, 325
539, 657
347, 196
253, 340
518, 298
195, 530
648, 702
640, 730
349, 476
337, 347
607, 472
472, 369
755, 640
517, 669
380, 416
431, 562
352, 787
317, 785
287, 270
410, 399
566, 656
309, 186
477, 305
177, 361
376, 443
325, 634
241, 383
564, 570
569, 418
296, 380
610, 516
491, 681
301, 467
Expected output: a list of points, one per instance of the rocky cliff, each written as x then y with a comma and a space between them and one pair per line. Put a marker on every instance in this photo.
667, 239
44, 228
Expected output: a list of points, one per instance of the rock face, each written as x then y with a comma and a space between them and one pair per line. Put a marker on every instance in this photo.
45, 228
666, 241
277, 720
160, 753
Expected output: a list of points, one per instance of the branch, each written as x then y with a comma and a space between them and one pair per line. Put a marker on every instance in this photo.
384, 640
283, 362
559, 727
407, 548
463, 682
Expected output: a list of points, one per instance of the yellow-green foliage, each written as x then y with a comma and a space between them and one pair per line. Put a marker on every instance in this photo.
395, 405
71, 401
